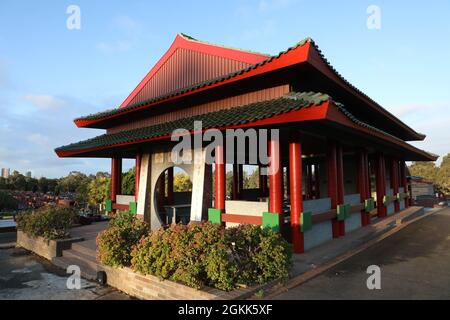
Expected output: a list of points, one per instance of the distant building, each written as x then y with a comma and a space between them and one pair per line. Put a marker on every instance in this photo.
28, 174
6, 172
420, 187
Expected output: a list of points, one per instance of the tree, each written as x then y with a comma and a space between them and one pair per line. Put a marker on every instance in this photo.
128, 184
7, 202
182, 182
427, 170
443, 176
99, 189
251, 181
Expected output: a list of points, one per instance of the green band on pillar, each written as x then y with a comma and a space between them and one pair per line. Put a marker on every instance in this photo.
108, 205
133, 207
347, 211
271, 221
305, 221
369, 205
341, 210
215, 216
387, 200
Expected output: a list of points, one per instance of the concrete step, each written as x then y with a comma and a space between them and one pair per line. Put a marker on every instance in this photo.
86, 248
88, 271
88, 260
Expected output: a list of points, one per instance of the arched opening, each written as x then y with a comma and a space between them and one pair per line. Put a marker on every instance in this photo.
173, 196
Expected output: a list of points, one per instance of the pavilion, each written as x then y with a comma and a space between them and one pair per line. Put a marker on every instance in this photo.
342, 155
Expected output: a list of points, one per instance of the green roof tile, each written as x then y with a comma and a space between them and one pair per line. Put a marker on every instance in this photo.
226, 117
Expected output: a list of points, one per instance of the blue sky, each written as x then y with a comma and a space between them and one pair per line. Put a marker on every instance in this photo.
49, 75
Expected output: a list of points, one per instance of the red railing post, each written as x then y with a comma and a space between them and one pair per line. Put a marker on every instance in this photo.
220, 178
295, 182
275, 199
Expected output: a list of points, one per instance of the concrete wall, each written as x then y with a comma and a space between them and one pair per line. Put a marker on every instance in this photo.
248, 208
402, 203
124, 199
320, 232
354, 222
47, 249
154, 163
391, 206
151, 288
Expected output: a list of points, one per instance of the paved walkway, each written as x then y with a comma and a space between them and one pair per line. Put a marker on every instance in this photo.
25, 276
414, 262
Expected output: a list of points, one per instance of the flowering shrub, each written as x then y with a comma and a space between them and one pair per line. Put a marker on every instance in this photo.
207, 254
116, 242
49, 222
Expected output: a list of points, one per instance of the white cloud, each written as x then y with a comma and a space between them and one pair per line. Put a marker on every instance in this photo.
126, 23
112, 47
4, 74
38, 139
45, 101
269, 5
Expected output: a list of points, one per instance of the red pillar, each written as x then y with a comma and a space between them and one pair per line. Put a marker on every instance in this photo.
366, 171
235, 186
275, 200
220, 178
362, 183
332, 182
404, 181
381, 184
137, 175
309, 180
116, 173
295, 181
394, 182
316, 181
170, 185
240, 181
340, 183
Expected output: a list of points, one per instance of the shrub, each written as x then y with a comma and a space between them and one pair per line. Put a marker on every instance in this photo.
260, 254
8, 202
116, 242
207, 254
49, 222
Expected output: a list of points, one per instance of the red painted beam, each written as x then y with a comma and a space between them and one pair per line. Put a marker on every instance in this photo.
275, 199
296, 197
381, 184
244, 219
220, 178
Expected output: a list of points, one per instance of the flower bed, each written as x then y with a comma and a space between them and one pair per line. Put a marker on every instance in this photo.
49, 222
45, 231
198, 256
